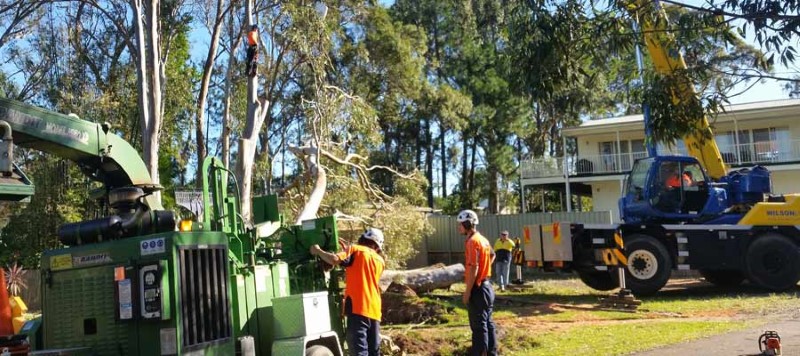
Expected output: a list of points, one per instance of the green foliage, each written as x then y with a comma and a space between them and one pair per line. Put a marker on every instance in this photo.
61, 197
398, 216
470, 87
175, 138
774, 23
717, 60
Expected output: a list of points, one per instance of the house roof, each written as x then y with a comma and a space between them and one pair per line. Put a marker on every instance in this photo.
736, 112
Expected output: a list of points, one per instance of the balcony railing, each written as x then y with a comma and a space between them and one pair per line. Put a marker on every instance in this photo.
769, 152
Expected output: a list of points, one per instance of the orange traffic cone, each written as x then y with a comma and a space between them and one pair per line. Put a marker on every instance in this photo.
6, 327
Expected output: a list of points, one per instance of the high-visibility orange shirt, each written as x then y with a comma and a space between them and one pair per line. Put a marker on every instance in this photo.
363, 269
674, 182
252, 38
477, 250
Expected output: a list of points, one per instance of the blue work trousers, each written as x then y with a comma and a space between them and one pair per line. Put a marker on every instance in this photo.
502, 268
481, 302
363, 335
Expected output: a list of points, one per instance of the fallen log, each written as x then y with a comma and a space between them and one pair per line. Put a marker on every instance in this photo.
424, 279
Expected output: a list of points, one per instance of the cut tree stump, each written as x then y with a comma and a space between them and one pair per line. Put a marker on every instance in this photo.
400, 305
425, 279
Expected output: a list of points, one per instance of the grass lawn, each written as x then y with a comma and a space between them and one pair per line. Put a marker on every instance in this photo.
556, 315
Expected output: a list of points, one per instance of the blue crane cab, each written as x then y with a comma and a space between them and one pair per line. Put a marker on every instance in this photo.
676, 189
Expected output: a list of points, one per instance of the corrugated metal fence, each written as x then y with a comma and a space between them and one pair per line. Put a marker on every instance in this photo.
445, 245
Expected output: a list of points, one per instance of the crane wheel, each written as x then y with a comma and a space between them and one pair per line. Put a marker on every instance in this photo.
599, 280
773, 262
723, 278
649, 265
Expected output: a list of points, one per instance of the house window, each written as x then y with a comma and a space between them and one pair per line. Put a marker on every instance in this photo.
608, 154
676, 148
756, 145
614, 159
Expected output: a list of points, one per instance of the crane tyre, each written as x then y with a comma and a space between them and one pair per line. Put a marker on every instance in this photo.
723, 278
649, 265
773, 262
318, 350
600, 280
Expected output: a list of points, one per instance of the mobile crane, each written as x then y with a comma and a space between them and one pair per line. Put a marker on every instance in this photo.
683, 212
140, 282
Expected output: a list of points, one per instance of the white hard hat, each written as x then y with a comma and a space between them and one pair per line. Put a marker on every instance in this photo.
468, 215
376, 235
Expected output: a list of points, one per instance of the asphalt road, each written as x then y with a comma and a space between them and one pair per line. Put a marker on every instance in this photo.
740, 343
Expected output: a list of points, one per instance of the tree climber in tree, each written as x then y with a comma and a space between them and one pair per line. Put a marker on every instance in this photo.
252, 51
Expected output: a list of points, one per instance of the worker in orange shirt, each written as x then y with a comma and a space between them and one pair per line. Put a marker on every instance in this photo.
478, 292
674, 182
673, 175
252, 51
364, 264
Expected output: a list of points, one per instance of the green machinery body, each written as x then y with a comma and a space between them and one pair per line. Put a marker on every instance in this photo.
97, 297
133, 283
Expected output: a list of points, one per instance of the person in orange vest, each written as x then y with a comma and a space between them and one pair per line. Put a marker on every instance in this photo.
674, 178
674, 182
364, 264
478, 292
252, 51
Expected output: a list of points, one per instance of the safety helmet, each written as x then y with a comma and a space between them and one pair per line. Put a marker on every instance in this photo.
376, 235
468, 215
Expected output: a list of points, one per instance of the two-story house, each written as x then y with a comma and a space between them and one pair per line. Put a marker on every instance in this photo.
761, 133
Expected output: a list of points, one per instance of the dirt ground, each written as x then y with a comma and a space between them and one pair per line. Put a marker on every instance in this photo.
407, 308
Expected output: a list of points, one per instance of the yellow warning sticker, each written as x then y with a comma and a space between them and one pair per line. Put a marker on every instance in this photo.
60, 262
609, 258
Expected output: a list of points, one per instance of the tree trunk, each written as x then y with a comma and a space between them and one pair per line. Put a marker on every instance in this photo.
244, 161
141, 66
225, 135
474, 149
429, 161
418, 147
155, 72
148, 75
424, 279
494, 203
464, 164
443, 153
310, 155
247, 142
202, 98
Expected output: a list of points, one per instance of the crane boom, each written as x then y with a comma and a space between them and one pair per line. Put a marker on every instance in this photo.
102, 155
667, 59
